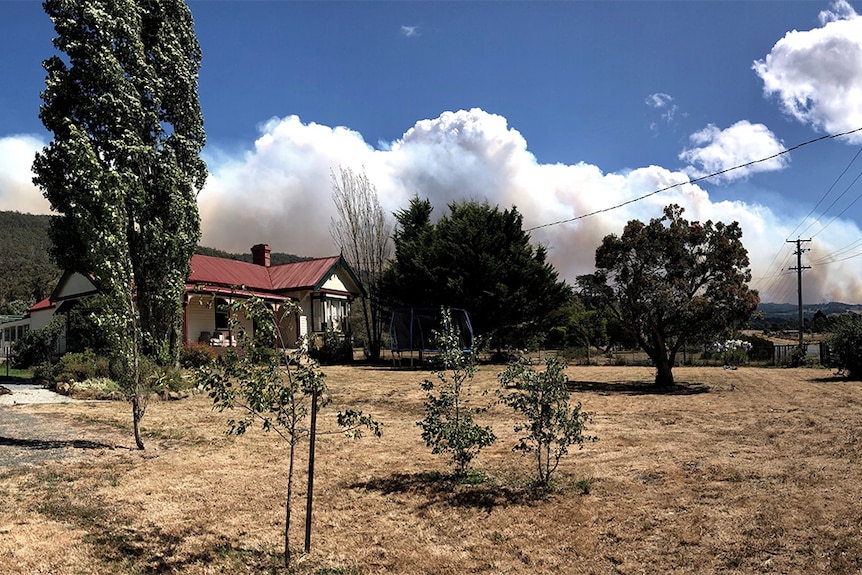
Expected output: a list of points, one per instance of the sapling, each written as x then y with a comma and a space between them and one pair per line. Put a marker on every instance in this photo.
550, 425
276, 387
448, 425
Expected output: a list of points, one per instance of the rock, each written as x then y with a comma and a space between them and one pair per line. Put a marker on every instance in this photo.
4, 390
63, 388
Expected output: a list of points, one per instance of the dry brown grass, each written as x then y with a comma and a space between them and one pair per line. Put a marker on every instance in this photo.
747, 471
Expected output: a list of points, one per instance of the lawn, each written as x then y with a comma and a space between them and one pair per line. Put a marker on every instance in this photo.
734, 471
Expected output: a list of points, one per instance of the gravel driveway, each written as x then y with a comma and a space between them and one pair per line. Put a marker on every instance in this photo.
24, 393
33, 439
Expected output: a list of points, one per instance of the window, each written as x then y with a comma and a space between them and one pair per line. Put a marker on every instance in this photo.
331, 313
222, 314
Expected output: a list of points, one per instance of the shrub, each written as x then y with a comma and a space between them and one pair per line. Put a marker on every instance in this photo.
336, 348
731, 351
195, 355
163, 380
550, 426
846, 345
96, 388
37, 346
74, 367
761, 348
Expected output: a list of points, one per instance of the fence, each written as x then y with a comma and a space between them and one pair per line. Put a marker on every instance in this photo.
783, 353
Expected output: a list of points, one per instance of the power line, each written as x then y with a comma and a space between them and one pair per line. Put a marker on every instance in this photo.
829, 257
695, 180
828, 191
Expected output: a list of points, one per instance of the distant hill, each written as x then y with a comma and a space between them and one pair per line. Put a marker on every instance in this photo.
27, 273
777, 313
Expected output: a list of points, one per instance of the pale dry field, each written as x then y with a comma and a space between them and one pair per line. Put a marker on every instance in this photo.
746, 471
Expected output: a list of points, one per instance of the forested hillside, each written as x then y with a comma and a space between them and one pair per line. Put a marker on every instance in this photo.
275, 258
26, 271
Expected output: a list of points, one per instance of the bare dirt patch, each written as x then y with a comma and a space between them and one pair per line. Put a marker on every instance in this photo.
746, 471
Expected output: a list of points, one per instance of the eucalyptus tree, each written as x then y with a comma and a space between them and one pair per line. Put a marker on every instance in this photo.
124, 168
672, 282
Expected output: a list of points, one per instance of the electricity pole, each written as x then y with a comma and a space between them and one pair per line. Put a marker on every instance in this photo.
799, 267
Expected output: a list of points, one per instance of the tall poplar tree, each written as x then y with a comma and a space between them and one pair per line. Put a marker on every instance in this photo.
124, 167
362, 233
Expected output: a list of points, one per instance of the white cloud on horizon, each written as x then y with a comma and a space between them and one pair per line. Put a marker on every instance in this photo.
817, 74
717, 150
280, 193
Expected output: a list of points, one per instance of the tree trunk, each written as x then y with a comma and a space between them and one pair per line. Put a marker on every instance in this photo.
287, 503
664, 372
372, 343
137, 416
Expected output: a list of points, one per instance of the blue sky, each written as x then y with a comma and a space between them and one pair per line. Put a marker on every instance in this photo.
558, 108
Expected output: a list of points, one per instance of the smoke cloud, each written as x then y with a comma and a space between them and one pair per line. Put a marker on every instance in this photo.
280, 193
17, 192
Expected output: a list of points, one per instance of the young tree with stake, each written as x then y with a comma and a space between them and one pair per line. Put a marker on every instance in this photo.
278, 388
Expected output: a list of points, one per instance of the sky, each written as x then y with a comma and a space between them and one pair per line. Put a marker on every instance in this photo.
565, 110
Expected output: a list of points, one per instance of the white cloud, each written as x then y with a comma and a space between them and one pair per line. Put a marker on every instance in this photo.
280, 192
717, 150
840, 10
666, 106
17, 191
664, 102
410, 31
817, 74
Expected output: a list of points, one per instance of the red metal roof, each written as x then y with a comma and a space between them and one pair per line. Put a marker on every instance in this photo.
44, 304
221, 271
301, 275
306, 274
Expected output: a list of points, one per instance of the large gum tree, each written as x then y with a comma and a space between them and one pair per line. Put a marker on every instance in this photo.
673, 282
123, 169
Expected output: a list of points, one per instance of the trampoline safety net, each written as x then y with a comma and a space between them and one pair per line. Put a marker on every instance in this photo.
412, 329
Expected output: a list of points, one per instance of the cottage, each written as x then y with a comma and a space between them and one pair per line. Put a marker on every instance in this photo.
323, 288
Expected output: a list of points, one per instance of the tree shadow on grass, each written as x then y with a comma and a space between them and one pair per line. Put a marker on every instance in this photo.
39, 444
446, 488
836, 378
152, 550
637, 388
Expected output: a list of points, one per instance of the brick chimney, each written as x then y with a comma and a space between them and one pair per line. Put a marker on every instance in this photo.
260, 255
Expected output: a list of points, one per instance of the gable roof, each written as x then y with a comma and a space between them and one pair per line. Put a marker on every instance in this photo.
226, 272
73, 285
44, 304
295, 276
